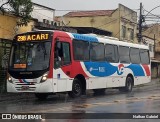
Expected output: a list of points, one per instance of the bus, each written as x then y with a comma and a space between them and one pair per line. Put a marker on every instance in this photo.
46, 62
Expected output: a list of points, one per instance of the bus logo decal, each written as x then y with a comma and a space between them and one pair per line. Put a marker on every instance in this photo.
93, 69
120, 69
24, 81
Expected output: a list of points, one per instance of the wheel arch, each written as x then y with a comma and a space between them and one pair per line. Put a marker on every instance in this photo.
131, 76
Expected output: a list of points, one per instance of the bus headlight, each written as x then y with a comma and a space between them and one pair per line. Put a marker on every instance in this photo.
10, 79
44, 77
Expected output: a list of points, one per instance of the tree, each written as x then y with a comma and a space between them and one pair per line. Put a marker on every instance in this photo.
20, 8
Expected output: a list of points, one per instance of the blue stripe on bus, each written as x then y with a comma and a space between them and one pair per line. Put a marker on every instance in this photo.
137, 69
100, 69
85, 38
25, 81
103, 69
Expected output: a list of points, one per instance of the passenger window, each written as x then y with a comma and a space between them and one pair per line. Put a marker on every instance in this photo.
134, 56
124, 54
81, 50
111, 53
97, 52
144, 54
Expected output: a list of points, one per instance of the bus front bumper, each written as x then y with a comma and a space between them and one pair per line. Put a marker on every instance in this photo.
45, 87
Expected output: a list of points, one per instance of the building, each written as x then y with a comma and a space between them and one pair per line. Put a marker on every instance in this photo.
155, 63
45, 19
44, 16
152, 31
120, 23
41, 12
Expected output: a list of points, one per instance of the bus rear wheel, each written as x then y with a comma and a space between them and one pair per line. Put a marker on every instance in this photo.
76, 89
41, 96
129, 85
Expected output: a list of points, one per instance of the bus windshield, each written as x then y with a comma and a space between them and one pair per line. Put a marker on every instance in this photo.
30, 56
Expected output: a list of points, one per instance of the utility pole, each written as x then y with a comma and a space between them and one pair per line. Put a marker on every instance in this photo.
154, 45
140, 24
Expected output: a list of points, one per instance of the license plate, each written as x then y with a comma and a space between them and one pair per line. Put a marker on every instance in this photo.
24, 88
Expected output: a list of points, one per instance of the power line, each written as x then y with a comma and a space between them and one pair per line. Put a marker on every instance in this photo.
158, 17
151, 14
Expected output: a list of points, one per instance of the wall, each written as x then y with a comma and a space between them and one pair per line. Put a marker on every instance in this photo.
150, 43
27, 28
128, 18
153, 29
100, 22
8, 27
40, 13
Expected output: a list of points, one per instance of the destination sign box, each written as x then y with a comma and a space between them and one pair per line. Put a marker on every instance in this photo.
32, 37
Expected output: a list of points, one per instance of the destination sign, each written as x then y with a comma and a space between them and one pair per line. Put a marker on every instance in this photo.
33, 37
20, 66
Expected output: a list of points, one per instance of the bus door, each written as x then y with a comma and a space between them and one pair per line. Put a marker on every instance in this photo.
62, 67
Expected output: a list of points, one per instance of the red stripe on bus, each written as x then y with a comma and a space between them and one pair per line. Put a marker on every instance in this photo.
147, 70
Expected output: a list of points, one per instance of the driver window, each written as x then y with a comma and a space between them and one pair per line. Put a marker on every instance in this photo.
61, 54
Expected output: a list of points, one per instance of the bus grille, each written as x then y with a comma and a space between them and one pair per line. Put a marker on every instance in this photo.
25, 86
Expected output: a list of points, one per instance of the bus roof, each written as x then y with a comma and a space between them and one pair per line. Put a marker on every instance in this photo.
95, 38
107, 40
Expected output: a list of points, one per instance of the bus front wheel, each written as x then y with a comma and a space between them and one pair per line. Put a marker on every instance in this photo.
41, 96
76, 89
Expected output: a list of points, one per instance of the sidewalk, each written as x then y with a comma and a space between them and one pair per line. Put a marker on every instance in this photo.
18, 96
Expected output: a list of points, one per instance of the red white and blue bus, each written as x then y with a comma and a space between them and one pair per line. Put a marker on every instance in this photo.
45, 62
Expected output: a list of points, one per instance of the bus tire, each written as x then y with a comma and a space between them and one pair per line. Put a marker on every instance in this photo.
41, 96
99, 91
76, 89
129, 85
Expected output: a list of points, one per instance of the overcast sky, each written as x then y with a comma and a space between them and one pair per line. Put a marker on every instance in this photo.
98, 5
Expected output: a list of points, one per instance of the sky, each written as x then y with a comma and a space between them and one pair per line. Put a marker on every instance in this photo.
61, 5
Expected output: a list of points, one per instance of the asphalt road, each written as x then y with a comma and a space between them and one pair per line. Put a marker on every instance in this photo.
143, 99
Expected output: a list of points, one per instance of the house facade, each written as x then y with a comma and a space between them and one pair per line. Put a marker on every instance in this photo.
152, 31
121, 22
